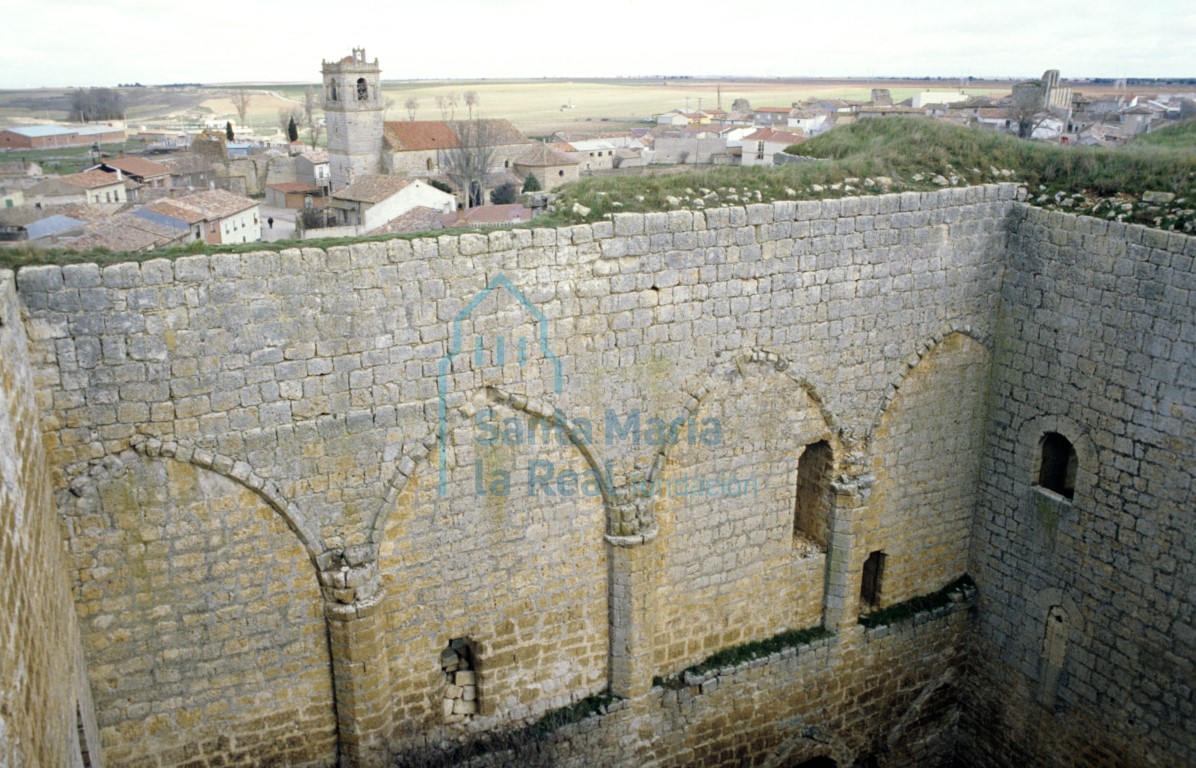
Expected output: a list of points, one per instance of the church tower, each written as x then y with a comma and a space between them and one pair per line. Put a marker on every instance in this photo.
353, 115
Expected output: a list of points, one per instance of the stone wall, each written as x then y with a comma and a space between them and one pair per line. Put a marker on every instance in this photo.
1086, 641
494, 440
40, 682
578, 459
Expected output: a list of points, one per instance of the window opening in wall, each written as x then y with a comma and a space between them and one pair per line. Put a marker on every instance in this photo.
1057, 471
460, 671
811, 505
874, 568
363, 91
332, 91
1054, 653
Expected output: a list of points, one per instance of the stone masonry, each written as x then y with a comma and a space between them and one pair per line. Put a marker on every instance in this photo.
327, 506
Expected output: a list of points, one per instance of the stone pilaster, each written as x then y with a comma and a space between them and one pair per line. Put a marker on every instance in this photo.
360, 671
845, 560
633, 562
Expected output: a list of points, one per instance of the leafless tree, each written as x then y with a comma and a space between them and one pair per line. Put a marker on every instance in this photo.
442, 105
452, 100
412, 104
309, 115
387, 105
241, 100
471, 101
468, 164
1026, 111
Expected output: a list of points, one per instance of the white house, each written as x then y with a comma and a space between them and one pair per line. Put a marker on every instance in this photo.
922, 98
761, 145
809, 122
672, 117
215, 216
374, 200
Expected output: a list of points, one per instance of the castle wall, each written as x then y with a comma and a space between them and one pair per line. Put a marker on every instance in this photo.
201, 617
926, 461
219, 418
39, 661
1085, 643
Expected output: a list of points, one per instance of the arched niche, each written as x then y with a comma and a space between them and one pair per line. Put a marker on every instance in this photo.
517, 572
926, 452
735, 565
201, 617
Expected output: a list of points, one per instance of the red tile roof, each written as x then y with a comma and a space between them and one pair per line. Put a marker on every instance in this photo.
419, 135
91, 179
770, 135
373, 188
292, 186
210, 205
512, 213
542, 156
138, 166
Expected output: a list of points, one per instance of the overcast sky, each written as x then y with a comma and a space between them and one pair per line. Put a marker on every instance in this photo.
84, 42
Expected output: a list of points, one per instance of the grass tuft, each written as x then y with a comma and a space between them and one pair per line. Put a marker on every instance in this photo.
904, 611
759, 649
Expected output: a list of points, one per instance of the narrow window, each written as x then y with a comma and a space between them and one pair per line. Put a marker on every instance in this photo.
1054, 653
363, 91
811, 505
429, 163
460, 672
332, 90
874, 568
1057, 471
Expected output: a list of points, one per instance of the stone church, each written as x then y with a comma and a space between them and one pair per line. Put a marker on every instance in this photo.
361, 141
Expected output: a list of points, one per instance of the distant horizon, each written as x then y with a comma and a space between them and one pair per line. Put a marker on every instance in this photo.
678, 80
526, 39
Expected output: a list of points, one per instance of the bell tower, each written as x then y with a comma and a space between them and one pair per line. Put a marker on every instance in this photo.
353, 115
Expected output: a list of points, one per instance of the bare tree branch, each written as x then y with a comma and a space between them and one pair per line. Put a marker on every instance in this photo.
468, 164
241, 100
412, 104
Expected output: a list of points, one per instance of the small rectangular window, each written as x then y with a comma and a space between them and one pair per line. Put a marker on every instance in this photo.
874, 568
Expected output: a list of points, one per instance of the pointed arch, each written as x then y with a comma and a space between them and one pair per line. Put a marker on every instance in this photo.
191, 592
241, 473
911, 362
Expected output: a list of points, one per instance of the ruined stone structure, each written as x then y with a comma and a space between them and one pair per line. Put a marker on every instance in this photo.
325, 506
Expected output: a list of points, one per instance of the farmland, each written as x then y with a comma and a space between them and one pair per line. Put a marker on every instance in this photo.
538, 107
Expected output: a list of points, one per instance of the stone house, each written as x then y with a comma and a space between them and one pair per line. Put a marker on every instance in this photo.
312, 166
100, 188
142, 170
772, 115
293, 194
189, 170
552, 167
